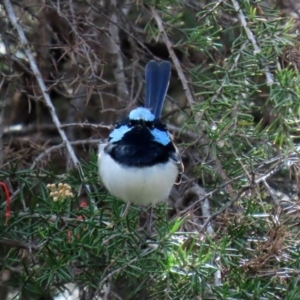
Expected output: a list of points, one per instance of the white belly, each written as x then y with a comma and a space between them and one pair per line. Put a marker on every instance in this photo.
147, 185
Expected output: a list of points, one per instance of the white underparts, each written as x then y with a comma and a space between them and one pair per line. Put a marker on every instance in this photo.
139, 185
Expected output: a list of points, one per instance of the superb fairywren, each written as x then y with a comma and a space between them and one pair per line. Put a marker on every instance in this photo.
140, 163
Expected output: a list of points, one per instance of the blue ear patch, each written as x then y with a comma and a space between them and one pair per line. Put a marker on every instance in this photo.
141, 113
161, 137
118, 133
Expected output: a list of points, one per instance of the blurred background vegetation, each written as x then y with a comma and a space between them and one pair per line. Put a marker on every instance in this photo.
70, 69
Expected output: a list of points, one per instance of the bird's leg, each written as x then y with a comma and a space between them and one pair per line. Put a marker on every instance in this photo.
145, 221
150, 217
124, 214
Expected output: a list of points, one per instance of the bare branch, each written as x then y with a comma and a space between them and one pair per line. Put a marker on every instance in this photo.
89, 125
115, 49
2, 109
22, 130
13, 19
18, 244
88, 51
37, 74
173, 56
56, 147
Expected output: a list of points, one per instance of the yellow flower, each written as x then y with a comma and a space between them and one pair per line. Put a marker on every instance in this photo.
60, 192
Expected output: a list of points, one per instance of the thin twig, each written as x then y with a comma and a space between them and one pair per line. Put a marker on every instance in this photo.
173, 56
56, 147
272, 193
238, 196
2, 109
251, 38
18, 244
89, 125
115, 49
32, 128
107, 277
88, 51
129, 32
184, 132
211, 10
48, 151
270, 173
244, 189
48, 218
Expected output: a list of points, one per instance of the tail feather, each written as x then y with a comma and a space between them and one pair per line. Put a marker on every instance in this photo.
157, 82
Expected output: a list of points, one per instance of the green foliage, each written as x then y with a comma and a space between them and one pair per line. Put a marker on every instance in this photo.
253, 251
102, 245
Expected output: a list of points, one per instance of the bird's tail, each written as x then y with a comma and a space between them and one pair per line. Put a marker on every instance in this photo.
157, 82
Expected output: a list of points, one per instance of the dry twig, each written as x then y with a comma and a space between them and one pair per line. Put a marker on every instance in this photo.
37, 74
53, 148
13, 19
115, 49
173, 56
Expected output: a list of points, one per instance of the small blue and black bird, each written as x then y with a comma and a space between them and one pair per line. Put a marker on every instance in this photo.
140, 162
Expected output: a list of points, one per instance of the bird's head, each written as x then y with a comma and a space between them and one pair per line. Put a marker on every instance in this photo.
141, 121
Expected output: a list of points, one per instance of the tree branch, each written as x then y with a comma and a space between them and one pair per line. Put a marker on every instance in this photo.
37, 74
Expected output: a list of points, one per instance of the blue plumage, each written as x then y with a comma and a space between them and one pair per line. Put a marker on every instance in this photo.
161, 136
141, 113
157, 82
117, 134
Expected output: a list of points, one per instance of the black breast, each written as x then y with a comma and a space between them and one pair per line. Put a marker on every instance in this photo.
138, 149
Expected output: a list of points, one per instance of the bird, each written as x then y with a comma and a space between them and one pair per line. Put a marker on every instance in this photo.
140, 162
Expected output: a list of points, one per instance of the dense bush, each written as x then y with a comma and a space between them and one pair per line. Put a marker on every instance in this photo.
70, 69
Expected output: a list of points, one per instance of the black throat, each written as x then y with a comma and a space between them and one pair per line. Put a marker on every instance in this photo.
137, 148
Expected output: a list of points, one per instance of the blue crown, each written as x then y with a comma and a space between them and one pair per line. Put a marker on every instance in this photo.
141, 113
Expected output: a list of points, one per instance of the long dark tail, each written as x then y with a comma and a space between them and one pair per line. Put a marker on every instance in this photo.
157, 82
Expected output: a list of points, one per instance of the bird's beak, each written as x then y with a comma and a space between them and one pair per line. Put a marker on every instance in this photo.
141, 124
